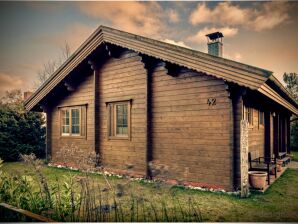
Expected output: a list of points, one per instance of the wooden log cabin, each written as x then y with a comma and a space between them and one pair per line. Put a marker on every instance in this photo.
135, 101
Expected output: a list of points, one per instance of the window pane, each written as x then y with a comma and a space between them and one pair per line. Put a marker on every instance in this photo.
65, 121
75, 119
75, 130
121, 119
110, 120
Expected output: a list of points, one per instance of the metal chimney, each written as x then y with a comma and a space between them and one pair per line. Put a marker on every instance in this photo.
215, 43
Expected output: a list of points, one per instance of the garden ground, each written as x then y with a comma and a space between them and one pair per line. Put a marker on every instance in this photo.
278, 204
295, 154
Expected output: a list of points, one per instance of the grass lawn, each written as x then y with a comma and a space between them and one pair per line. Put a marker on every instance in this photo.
278, 204
295, 154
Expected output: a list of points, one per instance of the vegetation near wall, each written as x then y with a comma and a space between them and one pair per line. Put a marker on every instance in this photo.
65, 195
21, 132
291, 80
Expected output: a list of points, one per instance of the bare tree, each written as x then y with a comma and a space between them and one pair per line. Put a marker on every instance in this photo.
52, 65
66, 51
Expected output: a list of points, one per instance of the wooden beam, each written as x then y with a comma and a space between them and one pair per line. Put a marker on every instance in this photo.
267, 133
150, 65
174, 69
95, 66
26, 213
92, 64
275, 134
113, 50
97, 117
69, 87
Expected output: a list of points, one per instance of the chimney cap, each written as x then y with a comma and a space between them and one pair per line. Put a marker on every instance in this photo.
215, 35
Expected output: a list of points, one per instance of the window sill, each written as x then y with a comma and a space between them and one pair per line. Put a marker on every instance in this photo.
72, 137
119, 138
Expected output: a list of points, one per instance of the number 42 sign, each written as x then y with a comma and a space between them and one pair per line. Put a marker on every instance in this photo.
211, 101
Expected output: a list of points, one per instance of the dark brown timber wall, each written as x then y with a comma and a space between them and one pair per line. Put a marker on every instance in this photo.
256, 136
191, 139
124, 79
73, 150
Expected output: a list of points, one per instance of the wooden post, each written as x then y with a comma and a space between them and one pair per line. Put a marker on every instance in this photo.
244, 158
150, 65
267, 133
276, 135
96, 142
288, 135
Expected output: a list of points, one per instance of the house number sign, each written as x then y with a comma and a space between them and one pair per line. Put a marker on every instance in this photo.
211, 101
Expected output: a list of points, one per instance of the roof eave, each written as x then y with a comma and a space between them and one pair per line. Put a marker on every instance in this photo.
248, 76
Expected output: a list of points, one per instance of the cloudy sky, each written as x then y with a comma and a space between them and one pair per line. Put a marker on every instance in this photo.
263, 34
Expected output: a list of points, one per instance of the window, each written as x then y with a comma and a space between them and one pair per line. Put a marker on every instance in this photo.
248, 115
65, 122
261, 117
72, 122
75, 121
119, 120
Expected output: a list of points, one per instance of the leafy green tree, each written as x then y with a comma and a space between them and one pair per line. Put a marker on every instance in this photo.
21, 132
291, 80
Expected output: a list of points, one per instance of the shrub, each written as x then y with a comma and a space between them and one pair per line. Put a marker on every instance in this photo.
21, 132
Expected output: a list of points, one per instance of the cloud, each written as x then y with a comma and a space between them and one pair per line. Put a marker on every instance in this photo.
200, 36
267, 16
137, 17
178, 43
272, 15
223, 13
173, 15
9, 82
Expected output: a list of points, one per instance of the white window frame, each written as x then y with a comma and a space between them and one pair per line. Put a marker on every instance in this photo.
70, 134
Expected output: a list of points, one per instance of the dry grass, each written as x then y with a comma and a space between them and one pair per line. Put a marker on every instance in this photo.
279, 203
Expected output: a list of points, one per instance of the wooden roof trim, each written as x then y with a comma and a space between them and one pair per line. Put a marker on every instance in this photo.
171, 53
68, 60
232, 71
154, 51
269, 92
187, 51
183, 60
283, 89
61, 73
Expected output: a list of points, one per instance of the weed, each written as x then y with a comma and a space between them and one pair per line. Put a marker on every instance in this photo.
73, 197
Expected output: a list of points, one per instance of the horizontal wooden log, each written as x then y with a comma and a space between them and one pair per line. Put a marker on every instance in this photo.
26, 213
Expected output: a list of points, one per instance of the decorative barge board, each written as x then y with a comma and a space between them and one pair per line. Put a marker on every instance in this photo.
138, 103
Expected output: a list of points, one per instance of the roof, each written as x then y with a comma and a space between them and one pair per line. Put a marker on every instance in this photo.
244, 75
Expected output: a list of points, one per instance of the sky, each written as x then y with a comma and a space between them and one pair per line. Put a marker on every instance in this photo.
262, 34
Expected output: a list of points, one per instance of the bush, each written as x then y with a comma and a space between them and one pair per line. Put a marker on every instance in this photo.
21, 132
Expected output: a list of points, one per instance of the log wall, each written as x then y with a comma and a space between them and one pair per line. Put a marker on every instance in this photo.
121, 79
191, 139
73, 150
